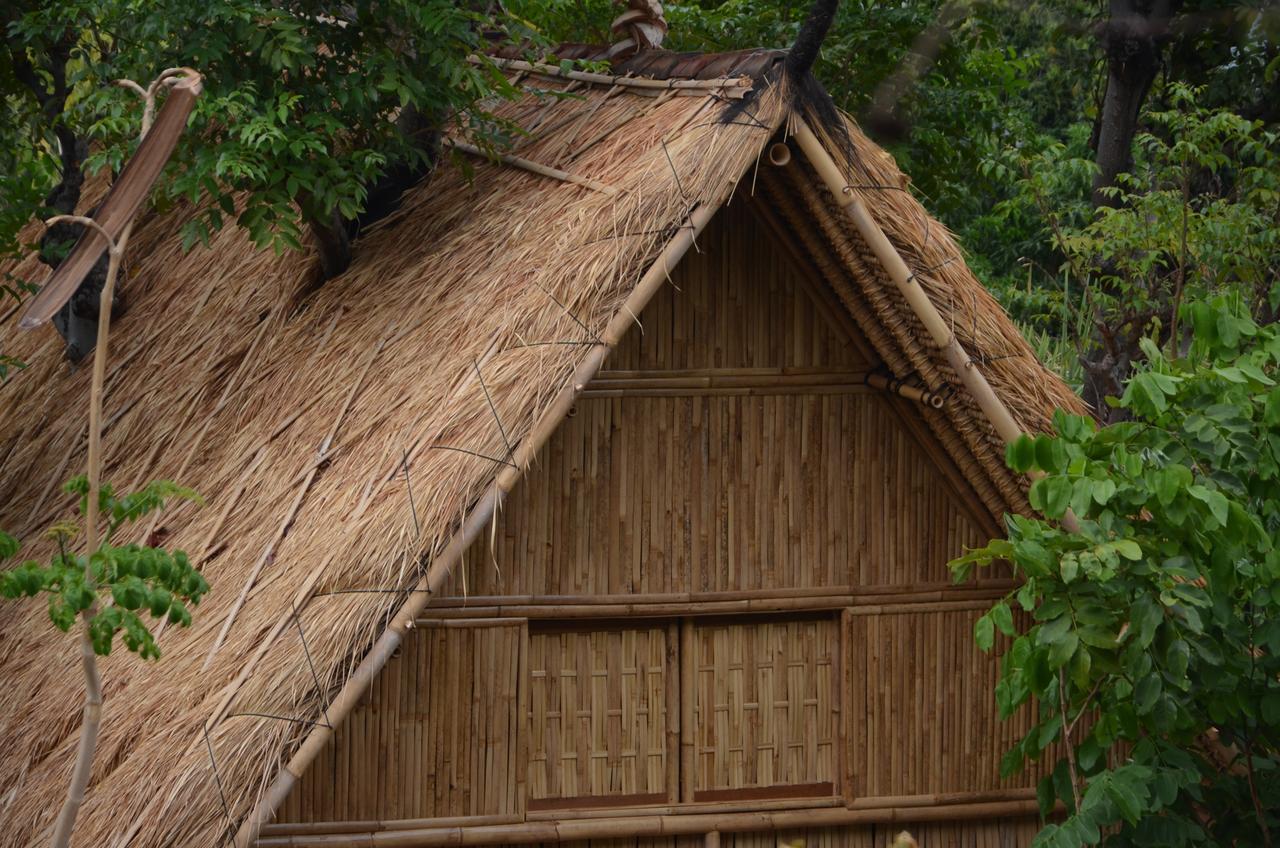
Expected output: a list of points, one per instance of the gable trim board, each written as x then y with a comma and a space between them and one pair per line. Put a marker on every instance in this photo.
419, 290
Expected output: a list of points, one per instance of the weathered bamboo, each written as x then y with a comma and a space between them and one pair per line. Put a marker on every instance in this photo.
898, 387
979, 599
333, 827
651, 826
905, 280
917, 298
731, 87
535, 167
476, 522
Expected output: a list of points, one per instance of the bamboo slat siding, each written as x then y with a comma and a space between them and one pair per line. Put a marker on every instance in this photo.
723, 493
597, 714
1000, 833
737, 302
922, 715
438, 736
765, 704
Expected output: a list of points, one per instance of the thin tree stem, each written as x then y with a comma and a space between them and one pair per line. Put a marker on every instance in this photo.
92, 719
1066, 738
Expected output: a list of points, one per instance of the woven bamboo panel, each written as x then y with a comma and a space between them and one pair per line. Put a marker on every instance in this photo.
736, 302
597, 714
437, 735
674, 494
766, 705
922, 715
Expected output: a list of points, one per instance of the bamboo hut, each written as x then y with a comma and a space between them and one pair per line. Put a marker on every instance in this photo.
607, 496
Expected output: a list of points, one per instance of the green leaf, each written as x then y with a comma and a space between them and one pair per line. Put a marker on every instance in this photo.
1128, 549
1003, 618
984, 632
1020, 455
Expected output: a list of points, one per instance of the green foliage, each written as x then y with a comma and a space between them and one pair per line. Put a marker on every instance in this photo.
300, 104
119, 583
1157, 624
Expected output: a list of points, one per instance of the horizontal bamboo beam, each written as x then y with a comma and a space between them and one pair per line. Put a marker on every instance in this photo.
925, 591
476, 521
898, 387
652, 826
857, 606
534, 167
731, 87
735, 391
334, 827
713, 380
695, 808
881, 802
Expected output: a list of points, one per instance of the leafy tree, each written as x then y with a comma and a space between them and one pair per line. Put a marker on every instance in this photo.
313, 111
1151, 643
109, 589
1197, 217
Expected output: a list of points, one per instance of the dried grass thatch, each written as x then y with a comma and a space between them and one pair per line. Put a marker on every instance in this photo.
305, 423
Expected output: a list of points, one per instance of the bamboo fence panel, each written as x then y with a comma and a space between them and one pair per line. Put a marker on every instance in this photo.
765, 706
922, 718
438, 734
598, 715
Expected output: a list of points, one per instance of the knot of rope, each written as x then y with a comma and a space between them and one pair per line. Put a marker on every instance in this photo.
640, 27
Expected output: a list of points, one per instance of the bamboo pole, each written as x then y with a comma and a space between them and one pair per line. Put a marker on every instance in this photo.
898, 387
915, 295
535, 167
475, 523
731, 87
652, 826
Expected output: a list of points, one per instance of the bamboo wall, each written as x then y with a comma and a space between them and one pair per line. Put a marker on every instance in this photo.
731, 450
921, 717
437, 735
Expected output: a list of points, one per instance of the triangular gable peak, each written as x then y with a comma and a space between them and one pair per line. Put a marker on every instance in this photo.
353, 446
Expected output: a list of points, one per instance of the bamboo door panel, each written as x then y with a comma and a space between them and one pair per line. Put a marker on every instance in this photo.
598, 716
922, 718
766, 708
438, 734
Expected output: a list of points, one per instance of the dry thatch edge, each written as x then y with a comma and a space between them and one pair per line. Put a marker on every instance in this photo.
731, 87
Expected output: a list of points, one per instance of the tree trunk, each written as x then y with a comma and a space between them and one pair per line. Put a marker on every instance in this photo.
1133, 40
334, 244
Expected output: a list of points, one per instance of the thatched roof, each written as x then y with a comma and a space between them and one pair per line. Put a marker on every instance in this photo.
303, 417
